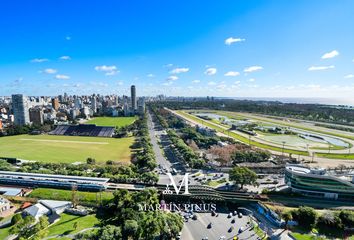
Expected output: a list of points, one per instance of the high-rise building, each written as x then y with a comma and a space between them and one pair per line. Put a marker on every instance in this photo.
20, 109
36, 116
94, 104
55, 104
141, 106
133, 97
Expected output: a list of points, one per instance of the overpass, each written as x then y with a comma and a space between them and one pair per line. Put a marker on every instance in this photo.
199, 192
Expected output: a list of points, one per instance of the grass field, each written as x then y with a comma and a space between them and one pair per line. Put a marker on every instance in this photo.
239, 137
66, 149
112, 121
65, 224
4, 232
243, 139
65, 195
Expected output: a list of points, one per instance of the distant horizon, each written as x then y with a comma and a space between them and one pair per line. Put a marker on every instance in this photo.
296, 100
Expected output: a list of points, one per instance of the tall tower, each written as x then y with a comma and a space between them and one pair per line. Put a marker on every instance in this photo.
55, 104
20, 109
133, 97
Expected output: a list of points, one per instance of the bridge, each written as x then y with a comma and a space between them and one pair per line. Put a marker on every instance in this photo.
199, 192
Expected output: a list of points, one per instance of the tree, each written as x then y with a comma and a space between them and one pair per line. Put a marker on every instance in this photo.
347, 218
287, 216
75, 225
242, 176
110, 232
130, 228
306, 217
91, 161
329, 223
16, 218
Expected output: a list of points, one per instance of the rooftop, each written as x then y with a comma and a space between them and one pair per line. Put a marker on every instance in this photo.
39, 176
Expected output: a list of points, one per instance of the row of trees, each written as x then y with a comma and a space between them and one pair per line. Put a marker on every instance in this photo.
187, 153
28, 227
330, 223
26, 129
145, 161
126, 221
316, 112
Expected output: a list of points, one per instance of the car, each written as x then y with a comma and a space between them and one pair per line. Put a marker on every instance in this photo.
241, 229
210, 225
230, 229
195, 217
235, 213
222, 238
205, 238
233, 220
229, 215
213, 213
235, 238
179, 236
217, 215
240, 215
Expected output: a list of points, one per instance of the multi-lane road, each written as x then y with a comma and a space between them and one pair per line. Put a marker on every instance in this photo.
165, 156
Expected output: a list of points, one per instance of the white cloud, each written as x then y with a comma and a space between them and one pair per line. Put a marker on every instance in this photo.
39, 60
210, 71
168, 65
349, 76
232, 40
179, 70
65, 58
252, 80
68, 38
211, 83
109, 70
196, 81
331, 54
237, 82
120, 83
50, 71
231, 74
167, 83
150, 75
252, 69
62, 77
172, 78
319, 68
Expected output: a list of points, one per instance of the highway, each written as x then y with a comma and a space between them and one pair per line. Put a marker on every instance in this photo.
164, 154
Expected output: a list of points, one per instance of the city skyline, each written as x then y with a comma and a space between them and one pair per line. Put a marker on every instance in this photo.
234, 49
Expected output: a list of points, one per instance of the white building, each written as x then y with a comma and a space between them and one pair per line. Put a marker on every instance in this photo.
4, 204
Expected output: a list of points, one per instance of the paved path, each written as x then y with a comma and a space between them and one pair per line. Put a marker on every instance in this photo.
72, 236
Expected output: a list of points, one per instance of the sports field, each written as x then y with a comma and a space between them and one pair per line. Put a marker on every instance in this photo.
66, 149
112, 121
292, 143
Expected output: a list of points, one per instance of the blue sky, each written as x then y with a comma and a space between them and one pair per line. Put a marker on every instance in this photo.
301, 48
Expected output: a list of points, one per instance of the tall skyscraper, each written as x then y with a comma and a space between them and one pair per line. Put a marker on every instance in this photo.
20, 109
133, 97
55, 104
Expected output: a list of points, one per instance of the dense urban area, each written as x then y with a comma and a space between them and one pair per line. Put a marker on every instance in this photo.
96, 167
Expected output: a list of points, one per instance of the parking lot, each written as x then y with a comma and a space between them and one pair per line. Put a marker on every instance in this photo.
222, 227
